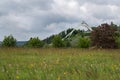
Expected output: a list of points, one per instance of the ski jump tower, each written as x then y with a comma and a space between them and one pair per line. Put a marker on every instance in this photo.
83, 24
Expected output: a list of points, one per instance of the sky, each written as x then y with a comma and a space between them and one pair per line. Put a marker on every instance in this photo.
42, 18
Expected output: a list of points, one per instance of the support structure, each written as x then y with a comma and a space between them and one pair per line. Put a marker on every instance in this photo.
84, 24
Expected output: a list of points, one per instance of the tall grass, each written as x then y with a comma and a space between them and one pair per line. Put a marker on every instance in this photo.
59, 64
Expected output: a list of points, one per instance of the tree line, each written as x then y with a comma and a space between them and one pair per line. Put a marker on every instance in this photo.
103, 36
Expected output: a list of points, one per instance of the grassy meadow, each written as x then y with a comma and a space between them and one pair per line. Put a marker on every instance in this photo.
59, 64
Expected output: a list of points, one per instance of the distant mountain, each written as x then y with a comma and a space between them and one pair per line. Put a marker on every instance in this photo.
21, 43
0, 41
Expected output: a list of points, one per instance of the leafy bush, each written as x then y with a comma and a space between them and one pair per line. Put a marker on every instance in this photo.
34, 42
57, 42
9, 41
104, 36
84, 42
66, 43
118, 41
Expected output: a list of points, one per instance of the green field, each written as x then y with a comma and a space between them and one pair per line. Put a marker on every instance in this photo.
59, 64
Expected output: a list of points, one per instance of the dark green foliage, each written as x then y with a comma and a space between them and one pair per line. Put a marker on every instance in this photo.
69, 30
104, 36
118, 41
66, 43
9, 41
49, 40
34, 42
64, 33
84, 42
57, 42
118, 31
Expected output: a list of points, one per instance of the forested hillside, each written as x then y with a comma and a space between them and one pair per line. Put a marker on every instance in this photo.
64, 33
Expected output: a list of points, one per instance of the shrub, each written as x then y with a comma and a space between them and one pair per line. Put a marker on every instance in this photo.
104, 36
118, 41
57, 42
84, 42
66, 43
34, 42
9, 41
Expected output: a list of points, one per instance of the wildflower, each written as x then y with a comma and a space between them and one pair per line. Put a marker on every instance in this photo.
114, 67
17, 77
65, 73
58, 78
31, 66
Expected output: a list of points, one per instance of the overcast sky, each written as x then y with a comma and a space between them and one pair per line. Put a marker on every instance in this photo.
29, 18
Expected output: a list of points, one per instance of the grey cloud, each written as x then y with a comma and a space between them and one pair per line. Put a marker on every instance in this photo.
42, 4
100, 2
21, 6
26, 18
